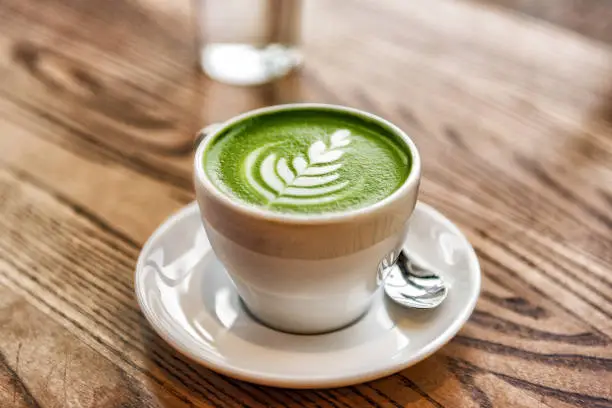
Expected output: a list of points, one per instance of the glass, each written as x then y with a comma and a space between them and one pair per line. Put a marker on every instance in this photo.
248, 42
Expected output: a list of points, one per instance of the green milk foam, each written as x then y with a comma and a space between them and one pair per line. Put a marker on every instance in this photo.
307, 160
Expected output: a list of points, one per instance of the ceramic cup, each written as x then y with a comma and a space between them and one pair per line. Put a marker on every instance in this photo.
306, 273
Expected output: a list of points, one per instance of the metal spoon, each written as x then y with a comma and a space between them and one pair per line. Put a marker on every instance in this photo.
412, 285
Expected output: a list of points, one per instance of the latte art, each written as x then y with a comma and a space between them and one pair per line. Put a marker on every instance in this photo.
304, 179
306, 161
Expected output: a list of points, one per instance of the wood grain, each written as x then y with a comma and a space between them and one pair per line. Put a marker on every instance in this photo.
510, 103
592, 18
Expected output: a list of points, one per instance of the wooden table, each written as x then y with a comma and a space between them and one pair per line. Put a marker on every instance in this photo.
510, 104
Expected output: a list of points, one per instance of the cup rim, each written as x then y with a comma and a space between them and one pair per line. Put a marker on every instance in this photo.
409, 184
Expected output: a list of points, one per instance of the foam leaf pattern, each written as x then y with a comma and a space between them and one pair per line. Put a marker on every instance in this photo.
311, 179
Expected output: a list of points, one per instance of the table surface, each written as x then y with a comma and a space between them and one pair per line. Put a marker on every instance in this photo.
510, 104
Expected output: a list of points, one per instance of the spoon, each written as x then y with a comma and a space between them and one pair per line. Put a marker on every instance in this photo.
411, 285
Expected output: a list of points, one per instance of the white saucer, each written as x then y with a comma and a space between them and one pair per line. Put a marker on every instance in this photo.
187, 297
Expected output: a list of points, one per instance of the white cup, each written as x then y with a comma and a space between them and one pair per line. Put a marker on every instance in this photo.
306, 273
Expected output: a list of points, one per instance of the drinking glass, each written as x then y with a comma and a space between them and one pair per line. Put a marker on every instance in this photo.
248, 42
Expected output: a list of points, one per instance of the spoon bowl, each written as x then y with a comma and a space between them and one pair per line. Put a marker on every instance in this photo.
414, 286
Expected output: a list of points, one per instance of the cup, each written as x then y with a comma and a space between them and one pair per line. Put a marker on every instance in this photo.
306, 273
248, 42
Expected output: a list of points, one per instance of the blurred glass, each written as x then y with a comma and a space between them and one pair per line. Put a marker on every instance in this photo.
248, 42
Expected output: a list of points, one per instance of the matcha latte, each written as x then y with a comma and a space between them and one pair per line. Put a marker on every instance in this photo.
307, 160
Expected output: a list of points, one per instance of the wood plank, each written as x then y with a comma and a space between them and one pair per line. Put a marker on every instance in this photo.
46, 366
590, 18
99, 104
97, 186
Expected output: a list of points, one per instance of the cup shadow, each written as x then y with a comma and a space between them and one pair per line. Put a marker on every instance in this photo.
383, 315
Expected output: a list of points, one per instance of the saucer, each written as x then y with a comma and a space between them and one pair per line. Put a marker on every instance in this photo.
186, 295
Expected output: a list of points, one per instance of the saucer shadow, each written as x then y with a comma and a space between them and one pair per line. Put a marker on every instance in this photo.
175, 379
415, 384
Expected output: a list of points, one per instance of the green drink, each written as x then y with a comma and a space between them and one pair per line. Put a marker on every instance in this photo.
308, 160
